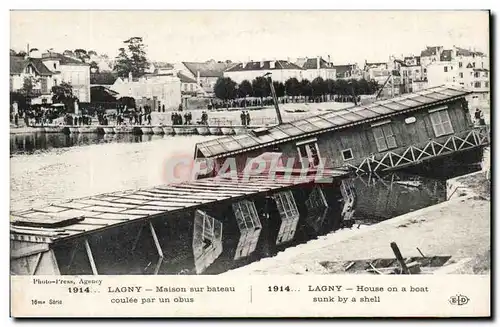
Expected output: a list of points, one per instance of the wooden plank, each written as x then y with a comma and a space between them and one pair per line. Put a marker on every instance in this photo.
233, 186
73, 204
163, 208
119, 216
50, 209
164, 195
210, 188
106, 203
155, 239
90, 257
101, 221
128, 201
103, 209
143, 212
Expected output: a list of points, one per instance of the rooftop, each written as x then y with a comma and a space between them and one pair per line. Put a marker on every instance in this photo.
63, 60
102, 78
264, 65
312, 63
90, 214
333, 120
19, 64
209, 68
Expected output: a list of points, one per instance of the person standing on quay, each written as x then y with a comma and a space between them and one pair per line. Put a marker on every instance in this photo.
243, 118
247, 118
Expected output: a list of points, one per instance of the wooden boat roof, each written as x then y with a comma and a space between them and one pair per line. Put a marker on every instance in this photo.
90, 214
332, 120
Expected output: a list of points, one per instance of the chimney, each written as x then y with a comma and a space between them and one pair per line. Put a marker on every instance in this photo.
272, 64
262, 63
198, 77
130, 77
329, 60
318, 62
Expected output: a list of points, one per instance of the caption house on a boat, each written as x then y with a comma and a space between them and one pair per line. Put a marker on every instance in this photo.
183, 228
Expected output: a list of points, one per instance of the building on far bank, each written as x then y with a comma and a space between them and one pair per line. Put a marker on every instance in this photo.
69, 70
204, 73
281, 70
376, 71
348, 71
316, 67
161, 92
42, 78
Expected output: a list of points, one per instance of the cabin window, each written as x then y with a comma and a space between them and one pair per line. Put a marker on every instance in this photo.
309, 152
445, 69
289, 215
486, 84
460, 64
477, 84
384, 137
347, 154
441, 122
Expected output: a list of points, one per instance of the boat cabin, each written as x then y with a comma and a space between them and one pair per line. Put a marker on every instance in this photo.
383, 135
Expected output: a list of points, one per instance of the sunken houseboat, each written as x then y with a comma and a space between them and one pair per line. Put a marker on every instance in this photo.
384, 135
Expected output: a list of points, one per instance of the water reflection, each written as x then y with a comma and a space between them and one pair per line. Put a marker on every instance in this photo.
34, 142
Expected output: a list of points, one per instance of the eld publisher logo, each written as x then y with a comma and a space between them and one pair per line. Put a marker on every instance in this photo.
459, 299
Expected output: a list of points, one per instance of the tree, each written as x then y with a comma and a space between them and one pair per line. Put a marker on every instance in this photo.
260, 86
245, 89
21, 53
129, 102
68, 53
292, 87
80, 53
12, 52
63, 93
305, 88
28, 89
225, 88
132, 59
94, 67
279, 88
331, 86
319, 86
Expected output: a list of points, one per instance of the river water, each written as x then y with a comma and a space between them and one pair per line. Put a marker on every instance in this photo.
50, 168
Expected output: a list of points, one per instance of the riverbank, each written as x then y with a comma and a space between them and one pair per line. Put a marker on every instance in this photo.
459, 228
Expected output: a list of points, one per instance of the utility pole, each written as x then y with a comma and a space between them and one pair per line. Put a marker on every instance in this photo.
275, 98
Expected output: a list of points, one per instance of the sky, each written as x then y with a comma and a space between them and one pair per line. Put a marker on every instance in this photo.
173, 36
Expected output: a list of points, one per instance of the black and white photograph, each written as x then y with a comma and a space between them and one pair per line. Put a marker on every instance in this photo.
250, 143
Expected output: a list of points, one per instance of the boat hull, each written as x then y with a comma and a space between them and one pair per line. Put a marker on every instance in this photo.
168, 130
158, 130
108, 130
185, 130
203, 130
215, 131
240, 130
123, 129
146, 130
87, 129
227, 130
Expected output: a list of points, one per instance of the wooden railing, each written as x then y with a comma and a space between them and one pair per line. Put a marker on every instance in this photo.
414, 154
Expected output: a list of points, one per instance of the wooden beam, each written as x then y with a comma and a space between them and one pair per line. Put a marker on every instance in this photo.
155, 239
91, 258
37, 263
